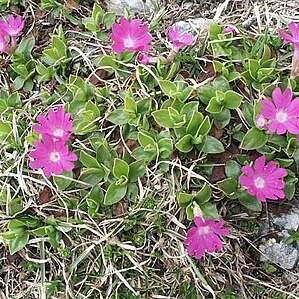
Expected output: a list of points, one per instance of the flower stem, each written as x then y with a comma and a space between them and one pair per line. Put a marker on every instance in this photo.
42, 270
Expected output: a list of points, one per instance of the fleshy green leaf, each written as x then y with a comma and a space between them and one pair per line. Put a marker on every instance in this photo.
254, 139
212, 146
232, 169
232, 99
250, 202
115, 193
18, 243
120, 168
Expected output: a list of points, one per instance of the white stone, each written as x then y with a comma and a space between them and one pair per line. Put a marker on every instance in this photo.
140, 6
288, 221
199, 26
280, 253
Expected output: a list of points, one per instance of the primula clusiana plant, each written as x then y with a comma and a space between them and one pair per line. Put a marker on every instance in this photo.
119, 134
282, 113
294, 39
146, 59
3, 44
261, 122
58, 125
130, 36
179, 39
229, 29
264, 180
53, 157
53, 154
10, 29
205, 237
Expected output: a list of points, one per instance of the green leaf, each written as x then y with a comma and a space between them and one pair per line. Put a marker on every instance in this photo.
248, 112
168, 87
212, 146
189, 212
210, 211
222, 118
115, 193
184, 94
221, 84
185, 145
26, 45
118, 117
290, 187
109, 19
92, 176
184, 199
88, 161
228, 186
232, 169
203, 195
162, 118
214, 30
254, 139
59, 46
108, 62
178, 120
120, 168
137, 170
18, 83
196, 120
5, 130
250, 202
214, 106
254, 66
63, 181
232, 99
146, 140
204, 127
130, 104
206, 93
165, 147
18, 243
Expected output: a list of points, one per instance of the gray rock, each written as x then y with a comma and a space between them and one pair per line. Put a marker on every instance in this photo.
274, 249
140, 6
282, 254
287, 221
198, 26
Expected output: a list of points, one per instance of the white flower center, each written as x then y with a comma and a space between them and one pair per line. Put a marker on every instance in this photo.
281, 116
261, 121
128, 42
55, 157
203, 230
13, 31
259, 182
58, 133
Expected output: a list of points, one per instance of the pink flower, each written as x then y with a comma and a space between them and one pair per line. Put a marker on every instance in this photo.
179, 40
294, 39
205, 237
264, 180
12, 27
58, 125
261, 122
146, 59
130, 36
3, 44
229, 29
283, 112
53, 157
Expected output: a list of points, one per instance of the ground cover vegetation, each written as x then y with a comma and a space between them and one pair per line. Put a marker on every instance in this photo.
135, 159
